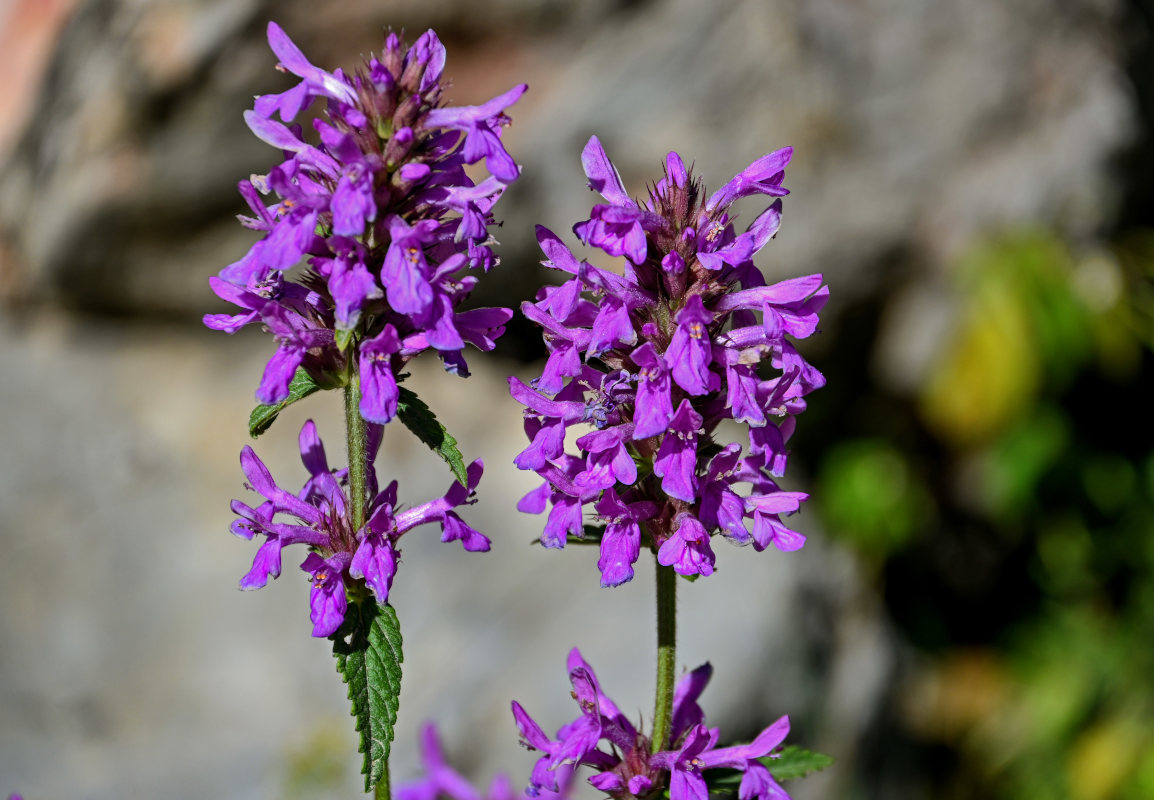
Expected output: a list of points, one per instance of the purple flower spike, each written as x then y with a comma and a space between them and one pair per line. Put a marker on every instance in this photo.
341, 555
623, 759
383, 213
649, 361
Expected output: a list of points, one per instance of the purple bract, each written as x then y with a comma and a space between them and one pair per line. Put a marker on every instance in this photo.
379, 205
623, 758
651, 361
340, 558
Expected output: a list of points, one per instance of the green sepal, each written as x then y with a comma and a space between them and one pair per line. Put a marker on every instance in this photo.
788, 764
343, 338
263, 416
420, 419
368, 652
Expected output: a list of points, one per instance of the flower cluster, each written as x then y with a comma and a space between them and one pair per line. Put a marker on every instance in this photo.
630, 768
442, 781
385, 214
341, 557
655, 359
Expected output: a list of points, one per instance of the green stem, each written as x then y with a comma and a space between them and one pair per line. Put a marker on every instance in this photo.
666, 655
357, 439
356, 432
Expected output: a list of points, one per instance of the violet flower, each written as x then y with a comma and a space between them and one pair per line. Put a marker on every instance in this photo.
340, 559
442, 782
626, 766
383, 214
648, 364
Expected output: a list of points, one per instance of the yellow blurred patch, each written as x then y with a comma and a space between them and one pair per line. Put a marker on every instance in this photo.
1103, 758
988, 375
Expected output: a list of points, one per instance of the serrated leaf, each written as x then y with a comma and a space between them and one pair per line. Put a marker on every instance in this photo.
790, 763
263, 416
368, 652
424, 424
795, 762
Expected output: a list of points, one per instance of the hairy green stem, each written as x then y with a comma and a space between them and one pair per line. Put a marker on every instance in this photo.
666, 655
356, 432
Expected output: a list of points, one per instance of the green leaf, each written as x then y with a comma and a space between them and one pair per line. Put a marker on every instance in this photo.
368, 652
420, 419
263, 416
788, 764
796, 762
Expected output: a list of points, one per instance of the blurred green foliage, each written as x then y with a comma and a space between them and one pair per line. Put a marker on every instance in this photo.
870, 497
1034, 420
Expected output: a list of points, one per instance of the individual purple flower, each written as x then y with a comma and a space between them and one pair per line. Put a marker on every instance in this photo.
442, 782
318, 516
654, 406
763, 176
687, 549
676, 461
327, 599
689, 348
381, 210
480, 125
699, 752
379, 393
621, 541
296, 335
648, 364
624, 760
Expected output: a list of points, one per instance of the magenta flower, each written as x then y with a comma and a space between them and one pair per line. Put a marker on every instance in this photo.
442, 782
382, 212
626, 766
648, 364
340, 557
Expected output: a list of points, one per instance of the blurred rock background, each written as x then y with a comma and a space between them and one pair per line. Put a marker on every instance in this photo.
972, 616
